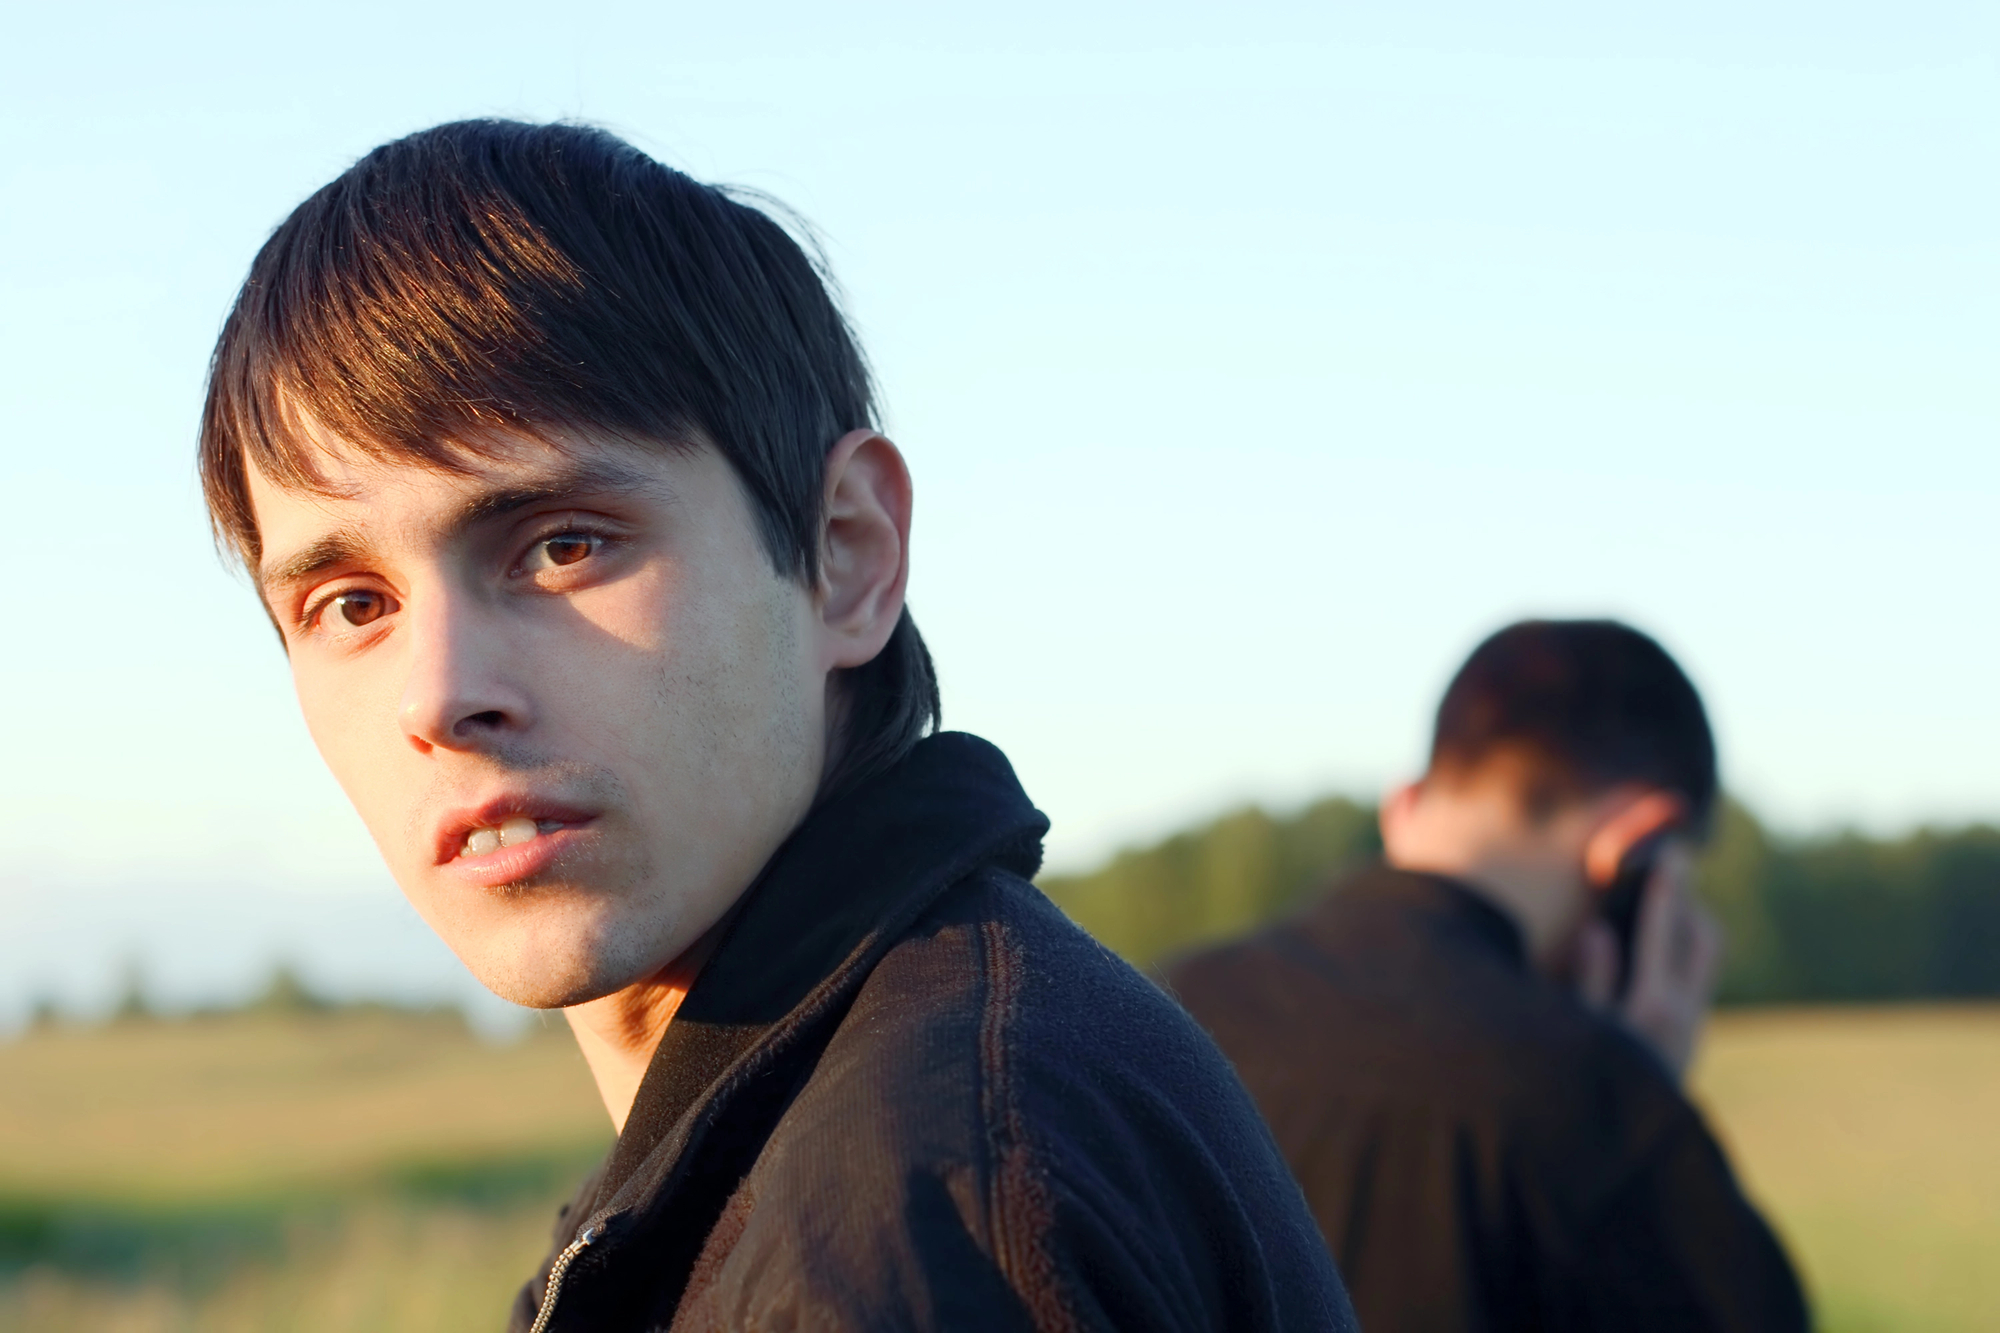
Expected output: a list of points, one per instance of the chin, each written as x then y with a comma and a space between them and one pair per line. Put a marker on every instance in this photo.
557, 968
533, 989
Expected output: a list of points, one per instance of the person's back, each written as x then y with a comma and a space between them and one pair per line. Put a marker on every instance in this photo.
1488, 1127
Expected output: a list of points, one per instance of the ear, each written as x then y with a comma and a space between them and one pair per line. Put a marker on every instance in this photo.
864, 549
1630, 820
1397, 811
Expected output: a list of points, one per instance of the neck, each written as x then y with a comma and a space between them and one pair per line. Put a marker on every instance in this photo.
1475, 833
619, 1032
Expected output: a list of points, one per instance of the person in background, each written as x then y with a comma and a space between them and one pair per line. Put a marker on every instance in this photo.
556, 472
1472, 1054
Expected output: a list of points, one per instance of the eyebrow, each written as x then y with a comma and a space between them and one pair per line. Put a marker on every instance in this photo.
336, 548
349, 546
567, 483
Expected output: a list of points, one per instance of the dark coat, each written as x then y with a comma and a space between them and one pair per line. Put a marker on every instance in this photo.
1483, 1152
907, 1093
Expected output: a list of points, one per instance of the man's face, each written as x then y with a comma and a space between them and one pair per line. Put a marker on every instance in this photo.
572, 699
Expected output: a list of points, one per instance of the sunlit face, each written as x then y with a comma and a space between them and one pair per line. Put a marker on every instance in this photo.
571, 697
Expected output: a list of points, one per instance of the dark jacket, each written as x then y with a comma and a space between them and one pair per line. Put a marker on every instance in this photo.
906, 1093
1482, 1151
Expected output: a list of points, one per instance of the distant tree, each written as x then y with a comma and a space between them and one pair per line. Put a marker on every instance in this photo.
1846, 917
1219, 880
1838, 917
1732, 874
1962, 881
1852, 917
287, 993
132, 1004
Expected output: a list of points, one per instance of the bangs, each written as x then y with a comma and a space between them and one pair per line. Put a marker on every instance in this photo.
488, 280
408, 334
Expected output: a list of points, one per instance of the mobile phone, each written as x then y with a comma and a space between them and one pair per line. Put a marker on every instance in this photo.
1619, 905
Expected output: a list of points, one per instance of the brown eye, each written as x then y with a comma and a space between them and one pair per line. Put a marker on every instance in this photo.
568, 548
563, 549
360, 607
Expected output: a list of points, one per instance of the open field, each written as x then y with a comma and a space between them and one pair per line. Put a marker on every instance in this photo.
375, 1171
1873, 1138
310, 1173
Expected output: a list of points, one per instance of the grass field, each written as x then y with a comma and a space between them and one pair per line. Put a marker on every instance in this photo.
1873, 1138
376, 1171
309, 1173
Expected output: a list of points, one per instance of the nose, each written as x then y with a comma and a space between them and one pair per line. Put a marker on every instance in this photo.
460, 693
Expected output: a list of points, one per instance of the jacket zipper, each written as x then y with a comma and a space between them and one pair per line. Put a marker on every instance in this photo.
557, 1271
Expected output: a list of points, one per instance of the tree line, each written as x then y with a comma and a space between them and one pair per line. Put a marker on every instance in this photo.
1831, 917
285, 994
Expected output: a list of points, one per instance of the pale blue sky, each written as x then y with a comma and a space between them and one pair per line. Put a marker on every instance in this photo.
1253, 361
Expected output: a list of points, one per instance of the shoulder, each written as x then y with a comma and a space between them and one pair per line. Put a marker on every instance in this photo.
1016, 989
1072, 1039
1341, 1018
1017, 1107
998, 1016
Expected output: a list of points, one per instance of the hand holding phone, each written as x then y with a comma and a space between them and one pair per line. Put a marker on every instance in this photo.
1619, 905
1659, 979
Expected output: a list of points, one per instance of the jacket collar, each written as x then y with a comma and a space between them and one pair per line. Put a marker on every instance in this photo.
830, 902
1440, 905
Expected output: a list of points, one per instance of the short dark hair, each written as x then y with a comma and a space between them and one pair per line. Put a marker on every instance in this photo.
492, 276
1585, 705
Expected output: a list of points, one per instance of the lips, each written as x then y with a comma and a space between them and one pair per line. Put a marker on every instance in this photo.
508, 837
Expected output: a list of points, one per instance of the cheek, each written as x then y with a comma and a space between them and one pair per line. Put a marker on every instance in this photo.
735, 635
351, 716
697, 672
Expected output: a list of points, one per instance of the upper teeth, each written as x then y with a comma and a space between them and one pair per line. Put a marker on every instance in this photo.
513, 833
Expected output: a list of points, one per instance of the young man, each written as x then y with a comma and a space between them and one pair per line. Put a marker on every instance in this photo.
556, 473
1485, 1114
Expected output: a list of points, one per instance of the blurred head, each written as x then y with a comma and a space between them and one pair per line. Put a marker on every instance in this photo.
556, 472
1560, 747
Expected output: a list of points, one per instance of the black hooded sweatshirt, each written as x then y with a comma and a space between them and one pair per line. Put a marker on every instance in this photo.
907, 1093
